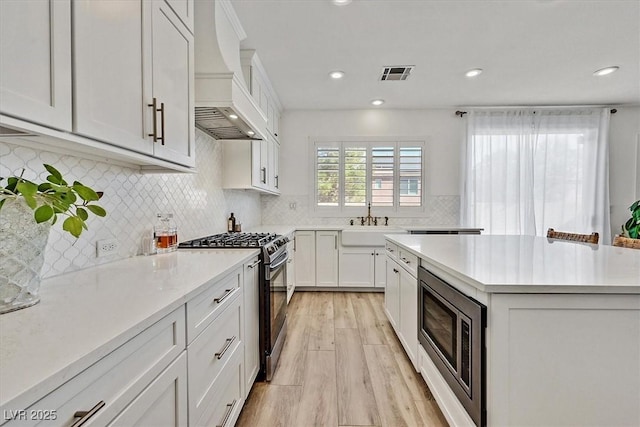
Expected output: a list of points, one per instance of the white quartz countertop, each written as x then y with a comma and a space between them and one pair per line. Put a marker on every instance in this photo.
525, 264
84, 315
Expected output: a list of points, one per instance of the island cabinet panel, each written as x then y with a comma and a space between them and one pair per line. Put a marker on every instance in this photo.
564, 360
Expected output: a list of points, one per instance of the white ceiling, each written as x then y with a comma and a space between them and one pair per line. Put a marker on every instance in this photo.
533, 52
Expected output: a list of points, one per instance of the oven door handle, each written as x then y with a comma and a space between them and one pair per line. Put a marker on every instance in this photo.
275, 266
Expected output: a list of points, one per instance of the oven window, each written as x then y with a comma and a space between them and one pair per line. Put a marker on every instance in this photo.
278, 289
440, 323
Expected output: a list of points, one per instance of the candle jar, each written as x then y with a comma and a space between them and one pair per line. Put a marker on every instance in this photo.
165, 233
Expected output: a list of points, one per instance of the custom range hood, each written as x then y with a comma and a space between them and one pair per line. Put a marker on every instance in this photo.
224, 106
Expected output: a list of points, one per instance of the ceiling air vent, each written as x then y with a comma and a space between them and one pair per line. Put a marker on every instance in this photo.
398, 72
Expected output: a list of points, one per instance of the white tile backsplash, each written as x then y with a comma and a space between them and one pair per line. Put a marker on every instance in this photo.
439, 210
132, 200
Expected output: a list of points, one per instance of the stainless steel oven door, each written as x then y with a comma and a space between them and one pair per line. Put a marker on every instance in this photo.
274, 312
278, 295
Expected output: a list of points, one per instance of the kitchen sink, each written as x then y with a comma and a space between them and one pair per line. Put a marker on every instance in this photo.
367, 235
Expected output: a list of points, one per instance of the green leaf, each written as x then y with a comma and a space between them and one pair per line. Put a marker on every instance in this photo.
82, 213
11, 183
73, 225
55, 219
67, 197
27, 188
97, 210
53, 171
85, 193
54, 179
43, 213
45, 186
30, 201
2, 203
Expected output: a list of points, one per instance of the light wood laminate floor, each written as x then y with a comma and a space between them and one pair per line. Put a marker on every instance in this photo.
341, 365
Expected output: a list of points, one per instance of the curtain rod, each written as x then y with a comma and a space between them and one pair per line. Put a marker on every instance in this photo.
462, 113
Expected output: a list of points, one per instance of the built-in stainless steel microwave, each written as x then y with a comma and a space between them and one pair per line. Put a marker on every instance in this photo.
451, 328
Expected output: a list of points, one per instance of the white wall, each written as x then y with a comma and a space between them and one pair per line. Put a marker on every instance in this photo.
132, 200
444, 132
441, 128
624, 164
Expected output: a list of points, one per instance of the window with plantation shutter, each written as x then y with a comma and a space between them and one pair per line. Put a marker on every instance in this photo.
382, 173
355, 176
410, 173
328, 176
389, 175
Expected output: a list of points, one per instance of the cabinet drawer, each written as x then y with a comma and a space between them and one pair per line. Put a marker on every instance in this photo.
209, 354
163, 403
408, 260
223, 404
391, 249
204, 308
117, 378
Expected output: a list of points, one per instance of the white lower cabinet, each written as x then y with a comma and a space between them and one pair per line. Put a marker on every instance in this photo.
209, 356
251, 322
409, 315
401, 308
357, 267
327, 258
110, 385
291, 269
392, 293
305, 254
163, 403
362, 267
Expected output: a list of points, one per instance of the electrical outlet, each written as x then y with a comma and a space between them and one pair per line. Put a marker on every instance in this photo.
292, 206
106, 247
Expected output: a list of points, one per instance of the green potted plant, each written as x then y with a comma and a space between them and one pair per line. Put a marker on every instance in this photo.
27, 211
631, 228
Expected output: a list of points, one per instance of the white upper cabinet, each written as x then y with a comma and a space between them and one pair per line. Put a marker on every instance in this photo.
184, 10
35, 61
109, 73
133, 64
261, 90
173, 80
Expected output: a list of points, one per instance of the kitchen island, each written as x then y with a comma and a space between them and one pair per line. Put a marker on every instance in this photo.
563, 327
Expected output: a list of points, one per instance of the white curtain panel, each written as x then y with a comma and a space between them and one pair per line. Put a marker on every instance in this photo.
527, 170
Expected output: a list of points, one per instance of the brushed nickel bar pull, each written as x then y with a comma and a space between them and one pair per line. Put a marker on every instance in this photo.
389, 249
264, 175
406, 260
154, 105
86, 415
162, 122
335, 242
395, 271
277, 182
255, 263
227, 414
221, 353
224, 296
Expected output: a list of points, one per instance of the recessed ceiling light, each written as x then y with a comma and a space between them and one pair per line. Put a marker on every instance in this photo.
250, 132
474, 72
605, 71
341, 2
233, 116
377, 102
336, 74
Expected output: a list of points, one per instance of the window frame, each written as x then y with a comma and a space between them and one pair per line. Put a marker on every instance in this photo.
369, 143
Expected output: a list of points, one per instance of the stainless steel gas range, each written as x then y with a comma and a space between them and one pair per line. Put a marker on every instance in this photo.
272, 292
